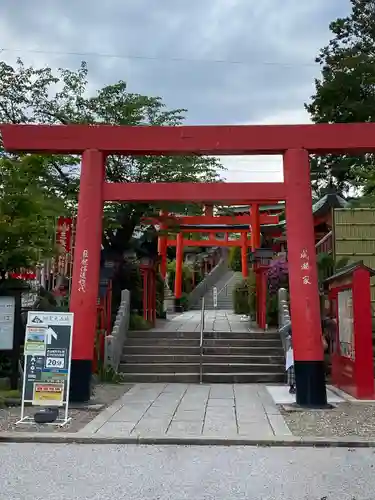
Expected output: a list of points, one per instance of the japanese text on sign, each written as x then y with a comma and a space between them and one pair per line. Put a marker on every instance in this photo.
64, 233
48, 394
83, 271
305, 267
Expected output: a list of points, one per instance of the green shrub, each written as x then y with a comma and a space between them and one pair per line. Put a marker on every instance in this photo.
137, 322
5, 364
198, 274
241, 298
235, 258
127, 277
184, 301
272, 310
327, 266
271, 304
109, 375
186, 276
159, 296
252, 296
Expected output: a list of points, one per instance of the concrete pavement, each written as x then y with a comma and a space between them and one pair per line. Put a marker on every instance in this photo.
95, 472
182, 410
192, 414
215, 321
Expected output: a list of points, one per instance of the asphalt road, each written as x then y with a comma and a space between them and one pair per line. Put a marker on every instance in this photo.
101, 472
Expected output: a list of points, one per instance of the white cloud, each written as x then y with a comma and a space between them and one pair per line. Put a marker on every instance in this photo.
264, 52
262, 168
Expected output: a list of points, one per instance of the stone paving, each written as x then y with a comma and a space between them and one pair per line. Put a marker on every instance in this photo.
215, 321
183, 410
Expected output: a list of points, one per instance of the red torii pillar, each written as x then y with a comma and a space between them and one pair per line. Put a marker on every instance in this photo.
148, 273
162, 246
303, 281
244, 267
86, 269
260, 278
178, 275
255, 226
209, 210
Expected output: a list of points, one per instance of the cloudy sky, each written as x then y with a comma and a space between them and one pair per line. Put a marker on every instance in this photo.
226, 61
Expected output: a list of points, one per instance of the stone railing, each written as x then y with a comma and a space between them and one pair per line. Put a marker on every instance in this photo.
284, 318
209, 281
114, 343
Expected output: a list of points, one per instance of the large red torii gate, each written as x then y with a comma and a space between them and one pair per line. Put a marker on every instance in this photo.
294, 142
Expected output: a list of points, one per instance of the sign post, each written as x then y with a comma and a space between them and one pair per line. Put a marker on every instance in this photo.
7, 312
214, 296
11, 328
48, 353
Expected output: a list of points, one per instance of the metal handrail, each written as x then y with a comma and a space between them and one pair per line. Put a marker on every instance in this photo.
201, 344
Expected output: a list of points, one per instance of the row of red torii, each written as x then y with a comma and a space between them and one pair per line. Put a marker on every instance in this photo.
211, 225
294, 142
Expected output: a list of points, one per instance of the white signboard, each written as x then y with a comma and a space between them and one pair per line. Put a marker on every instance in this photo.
48, 355
289, 359
346, 327
214, 296
7, 310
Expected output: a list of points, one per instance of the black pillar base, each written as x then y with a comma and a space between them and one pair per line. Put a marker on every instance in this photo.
177, 306
80, 380
310, 384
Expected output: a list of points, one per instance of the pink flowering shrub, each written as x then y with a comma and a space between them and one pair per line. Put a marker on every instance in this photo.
277, 275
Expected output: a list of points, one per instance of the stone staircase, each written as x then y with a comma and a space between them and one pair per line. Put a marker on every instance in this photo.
228, 357
225, 286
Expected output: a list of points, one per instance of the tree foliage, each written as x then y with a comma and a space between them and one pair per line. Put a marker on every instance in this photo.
41, 95
27, 214
345, 93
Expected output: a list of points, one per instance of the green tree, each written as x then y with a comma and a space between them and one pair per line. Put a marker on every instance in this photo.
345, 93
30, 95
27, 214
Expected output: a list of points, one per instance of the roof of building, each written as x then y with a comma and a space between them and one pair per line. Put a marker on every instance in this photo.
349, 269
329, 201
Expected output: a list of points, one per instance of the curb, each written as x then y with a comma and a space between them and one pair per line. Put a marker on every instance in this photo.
285, 441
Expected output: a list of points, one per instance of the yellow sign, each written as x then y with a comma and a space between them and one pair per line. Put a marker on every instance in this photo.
48, 394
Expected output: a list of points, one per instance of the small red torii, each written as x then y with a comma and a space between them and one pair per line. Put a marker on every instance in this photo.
182, 224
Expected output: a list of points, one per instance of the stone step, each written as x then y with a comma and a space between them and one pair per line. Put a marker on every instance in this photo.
159, 368
254, 335
195, 367
207, 358
212, 378
244, 378
210, 307
162, 342
182, 378
220, 300
207, 342
224, 342
189, 350
237, 351
159, 349
228, 357
155, 334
